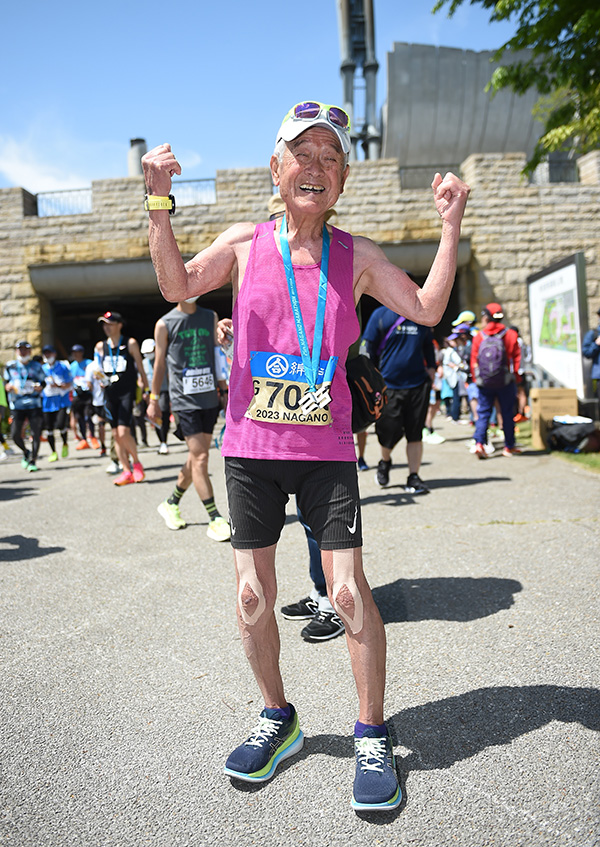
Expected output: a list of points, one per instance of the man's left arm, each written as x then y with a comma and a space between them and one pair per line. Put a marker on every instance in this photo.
377, 276
134, 349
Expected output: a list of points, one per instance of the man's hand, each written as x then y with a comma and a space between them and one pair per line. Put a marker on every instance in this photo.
450, 195
154, 413
224, 332
160, 165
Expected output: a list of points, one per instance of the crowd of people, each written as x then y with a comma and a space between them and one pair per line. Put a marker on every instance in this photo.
288, 408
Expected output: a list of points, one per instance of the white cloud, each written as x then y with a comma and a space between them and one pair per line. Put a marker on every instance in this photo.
22, 165
189, 159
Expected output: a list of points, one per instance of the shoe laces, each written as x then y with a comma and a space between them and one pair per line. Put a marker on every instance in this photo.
262, 731
371, 753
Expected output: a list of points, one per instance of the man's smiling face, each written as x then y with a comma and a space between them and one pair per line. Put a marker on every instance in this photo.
312, 171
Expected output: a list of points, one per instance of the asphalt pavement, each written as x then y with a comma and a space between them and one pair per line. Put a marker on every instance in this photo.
124, 685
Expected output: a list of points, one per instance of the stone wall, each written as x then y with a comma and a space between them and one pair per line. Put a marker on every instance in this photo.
515, 229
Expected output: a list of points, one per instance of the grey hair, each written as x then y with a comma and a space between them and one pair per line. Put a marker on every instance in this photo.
279, 149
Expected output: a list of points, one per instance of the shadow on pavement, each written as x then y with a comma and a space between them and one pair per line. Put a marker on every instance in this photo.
450, 730
395, 493
24, 548
444, 598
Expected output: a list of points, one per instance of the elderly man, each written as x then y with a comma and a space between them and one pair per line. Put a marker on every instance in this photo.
295, 285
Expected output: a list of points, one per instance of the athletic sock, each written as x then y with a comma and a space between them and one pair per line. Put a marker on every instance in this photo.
176, 496
360, 728
210, 507
285, 713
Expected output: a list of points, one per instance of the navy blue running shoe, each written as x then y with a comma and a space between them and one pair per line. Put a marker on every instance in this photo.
376, 787
271, 741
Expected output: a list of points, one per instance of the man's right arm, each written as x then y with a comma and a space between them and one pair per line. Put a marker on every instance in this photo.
212, 267
161, 342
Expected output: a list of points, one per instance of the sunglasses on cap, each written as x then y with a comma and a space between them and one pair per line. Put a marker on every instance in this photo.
311, 109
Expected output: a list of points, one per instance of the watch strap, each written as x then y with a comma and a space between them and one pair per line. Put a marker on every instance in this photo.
155, 203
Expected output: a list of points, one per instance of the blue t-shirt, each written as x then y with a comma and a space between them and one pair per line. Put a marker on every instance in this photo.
54, 396
24, 377
78, 374
407, 352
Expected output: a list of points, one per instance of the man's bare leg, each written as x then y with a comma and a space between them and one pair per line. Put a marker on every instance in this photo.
351, 597
125, 446
197, 461
257, 592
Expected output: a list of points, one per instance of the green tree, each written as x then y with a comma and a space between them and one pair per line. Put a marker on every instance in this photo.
564, 66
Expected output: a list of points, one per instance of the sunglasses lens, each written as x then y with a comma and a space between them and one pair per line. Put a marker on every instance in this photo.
307, 110
338, 117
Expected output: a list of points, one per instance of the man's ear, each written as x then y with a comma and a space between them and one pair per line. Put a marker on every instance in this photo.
274, 164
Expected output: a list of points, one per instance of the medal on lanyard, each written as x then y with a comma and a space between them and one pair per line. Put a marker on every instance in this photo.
314, 398
114, 360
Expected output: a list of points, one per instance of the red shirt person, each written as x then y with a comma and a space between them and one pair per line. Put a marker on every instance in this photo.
495, 363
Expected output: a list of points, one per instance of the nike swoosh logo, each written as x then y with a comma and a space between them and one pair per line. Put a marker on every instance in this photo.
352, 529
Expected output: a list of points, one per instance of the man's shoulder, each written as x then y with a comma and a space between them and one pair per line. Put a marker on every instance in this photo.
237, 234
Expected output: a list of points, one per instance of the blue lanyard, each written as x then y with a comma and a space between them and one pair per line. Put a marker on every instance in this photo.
311, 366
114, 360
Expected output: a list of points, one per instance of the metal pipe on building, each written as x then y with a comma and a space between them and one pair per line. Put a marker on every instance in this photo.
370, 68
347, 67
136, 150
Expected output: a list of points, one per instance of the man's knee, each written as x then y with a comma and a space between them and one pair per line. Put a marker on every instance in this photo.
255, 597
346, 595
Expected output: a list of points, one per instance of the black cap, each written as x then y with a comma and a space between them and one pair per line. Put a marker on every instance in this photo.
48, 348
77, 348
111, 318
23, 344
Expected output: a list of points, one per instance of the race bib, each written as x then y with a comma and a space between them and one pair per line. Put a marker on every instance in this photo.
281, 391
198, 381
111, 367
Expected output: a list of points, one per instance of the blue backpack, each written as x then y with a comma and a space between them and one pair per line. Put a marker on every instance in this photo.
492, 362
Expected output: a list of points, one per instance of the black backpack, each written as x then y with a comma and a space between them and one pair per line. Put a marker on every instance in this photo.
569, 437
368, 390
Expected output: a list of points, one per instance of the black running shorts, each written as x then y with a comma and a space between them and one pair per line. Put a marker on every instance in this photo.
119, 409
326, 493
404, 415
194, 421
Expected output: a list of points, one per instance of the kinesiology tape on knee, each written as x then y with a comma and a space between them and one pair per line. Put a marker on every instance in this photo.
345, 591
249, 582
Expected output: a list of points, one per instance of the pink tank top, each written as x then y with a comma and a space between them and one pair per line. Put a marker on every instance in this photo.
263, 321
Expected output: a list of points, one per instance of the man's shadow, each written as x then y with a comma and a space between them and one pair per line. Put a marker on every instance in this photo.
22, 548
444, 732
444, 598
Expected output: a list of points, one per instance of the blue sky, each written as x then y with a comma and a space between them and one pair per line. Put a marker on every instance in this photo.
78, 79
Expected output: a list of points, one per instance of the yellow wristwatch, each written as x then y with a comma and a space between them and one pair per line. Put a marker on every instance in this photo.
154, 203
